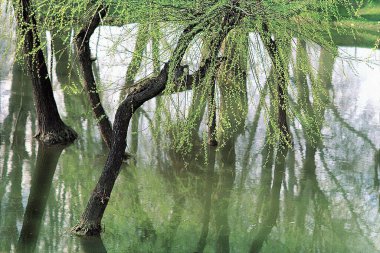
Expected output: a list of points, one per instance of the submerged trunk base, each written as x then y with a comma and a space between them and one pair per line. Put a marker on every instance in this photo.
212, 142
64, 135
87, 228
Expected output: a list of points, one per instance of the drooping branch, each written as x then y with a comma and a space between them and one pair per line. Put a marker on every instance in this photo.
212, 116
141, 44
184, 82
228, 22
232, 83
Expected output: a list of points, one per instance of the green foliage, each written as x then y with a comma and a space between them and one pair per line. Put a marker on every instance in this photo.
183, 115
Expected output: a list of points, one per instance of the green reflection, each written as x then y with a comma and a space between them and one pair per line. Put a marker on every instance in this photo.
245, 196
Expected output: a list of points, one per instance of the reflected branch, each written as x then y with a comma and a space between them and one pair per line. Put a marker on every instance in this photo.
345, 197
272, 210
351, 128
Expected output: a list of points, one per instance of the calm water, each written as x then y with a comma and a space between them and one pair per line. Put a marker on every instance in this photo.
215, 201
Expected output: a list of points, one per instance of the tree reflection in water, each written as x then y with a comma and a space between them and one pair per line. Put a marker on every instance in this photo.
42, 177
243, 196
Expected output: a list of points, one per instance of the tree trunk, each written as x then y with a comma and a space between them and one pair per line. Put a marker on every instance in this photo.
212, 116
281, 67
91, 218
51, 129
90, 223
82, 42
149, 88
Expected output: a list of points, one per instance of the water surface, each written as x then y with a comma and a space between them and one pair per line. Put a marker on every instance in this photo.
231, 199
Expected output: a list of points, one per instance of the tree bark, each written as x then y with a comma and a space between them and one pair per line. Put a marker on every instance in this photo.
212, 116
51, 129
82, 42
90, 223
280, 66
147, 89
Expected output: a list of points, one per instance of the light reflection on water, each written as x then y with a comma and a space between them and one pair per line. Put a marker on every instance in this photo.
329, 198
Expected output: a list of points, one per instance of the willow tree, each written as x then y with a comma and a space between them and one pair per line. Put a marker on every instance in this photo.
51, 128
275, 23
90, 223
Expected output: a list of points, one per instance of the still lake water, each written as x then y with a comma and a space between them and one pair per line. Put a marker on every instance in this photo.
327, 201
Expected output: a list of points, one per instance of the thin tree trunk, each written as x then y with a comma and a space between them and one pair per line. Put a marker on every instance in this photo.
281, 67
212, 116
51, 129
82, 42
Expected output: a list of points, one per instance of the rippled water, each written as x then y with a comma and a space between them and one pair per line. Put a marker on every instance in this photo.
328, 200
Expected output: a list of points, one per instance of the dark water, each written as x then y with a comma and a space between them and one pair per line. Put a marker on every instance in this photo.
321, 198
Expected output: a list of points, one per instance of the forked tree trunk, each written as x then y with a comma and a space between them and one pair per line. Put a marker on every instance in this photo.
90, 223
51, 129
